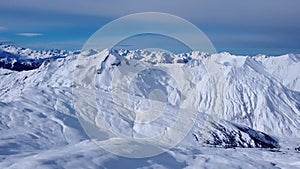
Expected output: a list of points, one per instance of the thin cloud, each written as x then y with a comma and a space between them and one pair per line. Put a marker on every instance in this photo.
30, 34
2, 28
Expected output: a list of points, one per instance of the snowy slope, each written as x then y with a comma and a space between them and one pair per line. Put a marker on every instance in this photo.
244, 102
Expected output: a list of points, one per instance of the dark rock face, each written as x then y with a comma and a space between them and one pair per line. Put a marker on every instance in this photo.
230, 135
260, 139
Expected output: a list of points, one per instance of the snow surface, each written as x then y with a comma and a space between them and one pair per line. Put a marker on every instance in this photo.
248, 110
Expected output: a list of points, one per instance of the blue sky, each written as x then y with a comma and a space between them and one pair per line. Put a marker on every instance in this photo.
240, 27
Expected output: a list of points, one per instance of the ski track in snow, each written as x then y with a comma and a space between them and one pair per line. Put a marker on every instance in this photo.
39, 127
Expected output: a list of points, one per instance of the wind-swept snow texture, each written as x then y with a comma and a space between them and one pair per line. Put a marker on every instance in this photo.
256, 126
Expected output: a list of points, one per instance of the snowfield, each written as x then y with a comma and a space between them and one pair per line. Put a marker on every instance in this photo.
247, 111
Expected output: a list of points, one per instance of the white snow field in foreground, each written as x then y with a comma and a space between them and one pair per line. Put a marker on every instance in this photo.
248, 109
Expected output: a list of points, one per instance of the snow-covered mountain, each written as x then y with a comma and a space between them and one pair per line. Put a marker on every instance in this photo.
19, 59
249, 104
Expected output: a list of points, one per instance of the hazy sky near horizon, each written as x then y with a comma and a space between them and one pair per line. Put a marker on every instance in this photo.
236, 26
